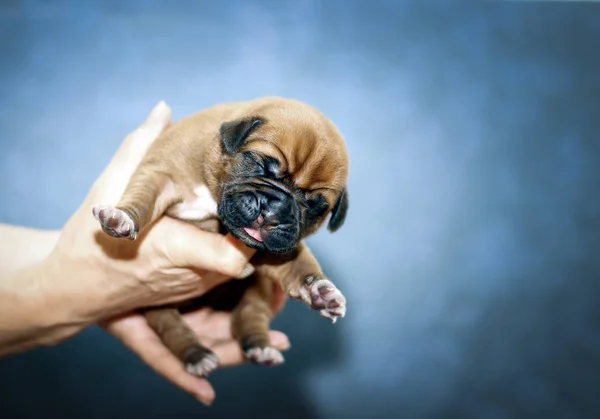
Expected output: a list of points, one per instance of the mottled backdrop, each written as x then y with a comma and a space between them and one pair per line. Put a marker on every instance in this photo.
470, 257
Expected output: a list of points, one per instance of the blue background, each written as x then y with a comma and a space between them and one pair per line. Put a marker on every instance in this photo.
470, 257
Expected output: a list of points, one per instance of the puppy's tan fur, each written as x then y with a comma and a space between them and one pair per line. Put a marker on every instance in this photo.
182, 176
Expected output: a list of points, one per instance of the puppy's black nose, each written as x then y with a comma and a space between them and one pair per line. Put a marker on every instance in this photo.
272, 208
268, 218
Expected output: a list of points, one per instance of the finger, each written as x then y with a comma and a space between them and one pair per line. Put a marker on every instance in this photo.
230, 353
189, 247
279, 298
216, 326
135, 145
132, 150
143, 341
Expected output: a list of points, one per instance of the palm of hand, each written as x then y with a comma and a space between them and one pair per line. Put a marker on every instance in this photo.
213, 329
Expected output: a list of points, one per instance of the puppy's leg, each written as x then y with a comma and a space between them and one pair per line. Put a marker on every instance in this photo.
147, 195
181, 340
250, 324
300, 275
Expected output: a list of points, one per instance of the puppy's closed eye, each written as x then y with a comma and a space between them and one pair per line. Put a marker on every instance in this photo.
252, 165
267, 166
317, 205
271, 167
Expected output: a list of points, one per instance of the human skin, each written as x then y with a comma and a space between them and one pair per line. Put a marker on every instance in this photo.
54, 284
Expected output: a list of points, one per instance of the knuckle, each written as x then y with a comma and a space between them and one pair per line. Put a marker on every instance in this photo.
232, 263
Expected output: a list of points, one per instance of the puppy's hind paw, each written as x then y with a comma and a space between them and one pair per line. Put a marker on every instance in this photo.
115, 222
322, 295
201, 362
267, 356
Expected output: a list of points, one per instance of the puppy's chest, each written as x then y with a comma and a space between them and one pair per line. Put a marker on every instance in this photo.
200, 206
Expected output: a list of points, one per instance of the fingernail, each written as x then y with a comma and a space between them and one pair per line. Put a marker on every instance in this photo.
281, 341
204, 402
205, 398
158, 113
246, 272
204, 392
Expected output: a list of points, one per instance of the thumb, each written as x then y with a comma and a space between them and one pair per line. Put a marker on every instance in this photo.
135, 145
188, 246
131, 152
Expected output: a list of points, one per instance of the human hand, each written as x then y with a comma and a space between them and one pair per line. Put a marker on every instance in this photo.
170, 261
213, 329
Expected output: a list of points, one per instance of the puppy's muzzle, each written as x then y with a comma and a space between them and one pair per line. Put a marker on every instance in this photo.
263, 217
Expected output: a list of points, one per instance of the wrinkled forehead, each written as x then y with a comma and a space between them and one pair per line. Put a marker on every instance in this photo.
308, 148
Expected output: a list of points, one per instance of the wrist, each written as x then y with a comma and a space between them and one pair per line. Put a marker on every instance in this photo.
72, 293
48, 302
28, 318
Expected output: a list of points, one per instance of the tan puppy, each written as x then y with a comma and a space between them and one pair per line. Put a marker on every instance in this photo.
269, 171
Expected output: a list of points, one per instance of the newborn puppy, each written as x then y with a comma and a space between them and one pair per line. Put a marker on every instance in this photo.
270, 171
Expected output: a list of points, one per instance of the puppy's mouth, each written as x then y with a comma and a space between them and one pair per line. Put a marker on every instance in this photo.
253, 233
257, 231
265, 220
261, 238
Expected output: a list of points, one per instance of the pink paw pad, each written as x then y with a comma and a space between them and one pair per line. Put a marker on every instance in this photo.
115, 222
321, 294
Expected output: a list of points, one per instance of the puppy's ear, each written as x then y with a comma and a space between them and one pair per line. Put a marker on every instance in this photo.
338, 214
234, 133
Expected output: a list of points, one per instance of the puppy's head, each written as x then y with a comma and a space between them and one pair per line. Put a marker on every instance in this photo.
286, 169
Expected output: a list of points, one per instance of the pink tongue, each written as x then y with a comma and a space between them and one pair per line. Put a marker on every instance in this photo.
254, 233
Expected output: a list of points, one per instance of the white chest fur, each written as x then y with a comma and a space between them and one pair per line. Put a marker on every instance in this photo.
197, 209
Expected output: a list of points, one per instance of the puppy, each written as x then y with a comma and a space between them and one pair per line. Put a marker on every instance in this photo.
270, 171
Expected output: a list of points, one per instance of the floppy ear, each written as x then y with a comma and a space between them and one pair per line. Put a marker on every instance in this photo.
234, 133
338, 214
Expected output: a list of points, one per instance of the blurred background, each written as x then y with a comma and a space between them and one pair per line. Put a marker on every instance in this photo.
470, 254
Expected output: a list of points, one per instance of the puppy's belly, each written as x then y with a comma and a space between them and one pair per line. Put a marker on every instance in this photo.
199, 208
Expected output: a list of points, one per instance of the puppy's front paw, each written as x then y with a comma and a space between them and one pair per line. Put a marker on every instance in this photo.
115, 222
266, 356
201, 361
321, 294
